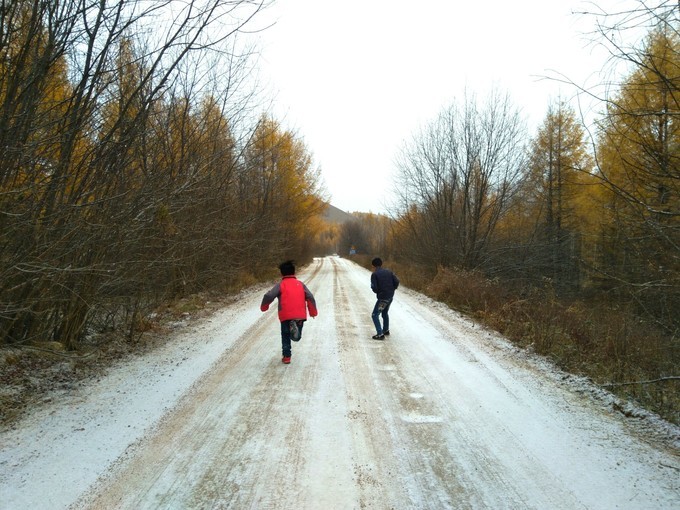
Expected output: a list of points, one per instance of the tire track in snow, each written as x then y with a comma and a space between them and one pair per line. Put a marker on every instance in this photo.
184, 454
395, 472
373, 473
449, 458
407, 419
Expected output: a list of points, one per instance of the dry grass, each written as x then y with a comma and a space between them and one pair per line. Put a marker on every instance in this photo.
31, 373
602, 340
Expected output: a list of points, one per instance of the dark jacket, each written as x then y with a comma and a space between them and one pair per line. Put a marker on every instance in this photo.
384, 282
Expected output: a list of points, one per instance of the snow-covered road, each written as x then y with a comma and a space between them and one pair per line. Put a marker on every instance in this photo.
443, 414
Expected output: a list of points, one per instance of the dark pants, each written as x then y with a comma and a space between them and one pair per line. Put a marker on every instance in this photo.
385, 317
285, 337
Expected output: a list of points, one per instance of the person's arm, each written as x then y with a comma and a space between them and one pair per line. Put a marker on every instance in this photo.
311, 302
374, 283
270, 296
395, 280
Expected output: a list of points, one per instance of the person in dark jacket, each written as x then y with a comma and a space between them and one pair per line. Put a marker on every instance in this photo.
383, 282
294, 301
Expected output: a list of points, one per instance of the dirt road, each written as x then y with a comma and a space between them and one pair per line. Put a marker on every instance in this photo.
443, 414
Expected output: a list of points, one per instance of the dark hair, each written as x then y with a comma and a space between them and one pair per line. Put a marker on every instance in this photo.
287, 268
376, 262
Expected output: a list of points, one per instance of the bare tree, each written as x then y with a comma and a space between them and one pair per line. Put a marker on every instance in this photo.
456, 177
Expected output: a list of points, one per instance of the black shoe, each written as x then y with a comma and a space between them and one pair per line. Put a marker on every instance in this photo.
378, 337
386, 332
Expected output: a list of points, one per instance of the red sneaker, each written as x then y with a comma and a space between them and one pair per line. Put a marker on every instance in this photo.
286, 359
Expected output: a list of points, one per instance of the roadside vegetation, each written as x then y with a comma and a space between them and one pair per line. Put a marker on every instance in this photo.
606, 340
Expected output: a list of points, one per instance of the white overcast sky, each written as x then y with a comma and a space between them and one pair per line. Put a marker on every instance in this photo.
356, 79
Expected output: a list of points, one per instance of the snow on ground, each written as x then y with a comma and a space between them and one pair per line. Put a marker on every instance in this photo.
443, 414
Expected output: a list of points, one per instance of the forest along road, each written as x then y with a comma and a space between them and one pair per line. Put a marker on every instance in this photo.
442, 414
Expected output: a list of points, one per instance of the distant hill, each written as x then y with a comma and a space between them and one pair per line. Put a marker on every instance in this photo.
335, 215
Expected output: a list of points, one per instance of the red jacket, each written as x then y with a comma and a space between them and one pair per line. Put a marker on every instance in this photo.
294, 299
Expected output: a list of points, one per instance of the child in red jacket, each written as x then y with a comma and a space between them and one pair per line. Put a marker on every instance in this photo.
294, 300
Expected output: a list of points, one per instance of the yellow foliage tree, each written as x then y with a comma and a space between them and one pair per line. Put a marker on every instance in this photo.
639, 166
558, 160
280, 187
558, 165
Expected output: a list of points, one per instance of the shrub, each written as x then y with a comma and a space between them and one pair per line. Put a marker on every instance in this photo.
603, 340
